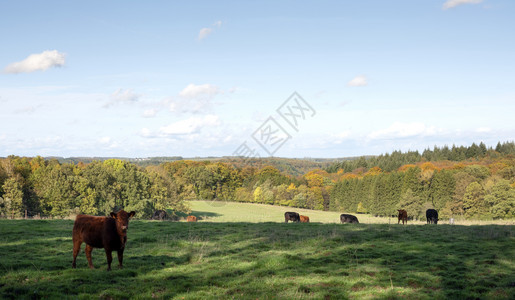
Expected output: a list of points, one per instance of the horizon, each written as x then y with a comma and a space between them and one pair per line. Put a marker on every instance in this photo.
336, 79
179, 157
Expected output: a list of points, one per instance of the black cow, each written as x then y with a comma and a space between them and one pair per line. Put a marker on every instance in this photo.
159, 215
432, 216
344, 218
291, 216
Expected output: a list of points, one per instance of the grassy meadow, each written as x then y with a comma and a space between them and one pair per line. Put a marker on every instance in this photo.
225, 257
216, 211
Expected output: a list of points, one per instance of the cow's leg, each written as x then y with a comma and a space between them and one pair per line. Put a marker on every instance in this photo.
89, 249
120, 258
76, 250
109, 258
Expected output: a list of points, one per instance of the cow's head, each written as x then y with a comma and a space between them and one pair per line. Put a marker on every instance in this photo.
122, 223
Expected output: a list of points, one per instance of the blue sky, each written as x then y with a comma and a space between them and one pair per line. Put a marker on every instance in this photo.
162, 78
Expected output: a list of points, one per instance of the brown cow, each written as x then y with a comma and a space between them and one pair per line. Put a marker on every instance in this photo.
191, 219
403, 215
109, 233
304, 219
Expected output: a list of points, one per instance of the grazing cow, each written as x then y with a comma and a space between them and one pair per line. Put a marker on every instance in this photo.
432, 216
159, 215
109, 233
191, 219
304, 219
344, 218
291, 216
403, 215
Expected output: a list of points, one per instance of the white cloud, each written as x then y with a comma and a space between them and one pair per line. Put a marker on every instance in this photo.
26, 110
107, 142
205, 32
200, 91
190, 125
337, 138
37, 62
453, 3
104, 140
127, 95
344, 134
484, 129
358, 81
194, 99
259, 116
403, 130
145, 132
123, 96
150, 113
228, 139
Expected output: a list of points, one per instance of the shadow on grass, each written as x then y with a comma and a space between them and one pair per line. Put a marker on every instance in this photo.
269, 260
201, 215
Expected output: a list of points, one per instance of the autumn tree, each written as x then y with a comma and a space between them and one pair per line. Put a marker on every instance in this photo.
462, 181
258, 195
361, 209
474, 201
501, 200
12, 203
442, 189
413, 204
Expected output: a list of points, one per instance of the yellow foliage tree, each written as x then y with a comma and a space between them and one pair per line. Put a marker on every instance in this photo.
373, 171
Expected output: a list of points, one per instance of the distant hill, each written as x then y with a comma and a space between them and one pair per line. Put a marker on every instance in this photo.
141, 161
291, 166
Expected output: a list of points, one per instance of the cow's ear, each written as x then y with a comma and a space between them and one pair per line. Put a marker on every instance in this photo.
113, 215
131, 214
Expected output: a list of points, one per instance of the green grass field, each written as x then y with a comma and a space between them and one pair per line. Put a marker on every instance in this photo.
216, 211
219, 259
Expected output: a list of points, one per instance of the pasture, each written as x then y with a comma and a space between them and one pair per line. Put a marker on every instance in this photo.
216, 211
269, 260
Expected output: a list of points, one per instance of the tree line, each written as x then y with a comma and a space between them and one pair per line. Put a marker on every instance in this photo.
49, 188
471, 191
391, 162
477, 183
